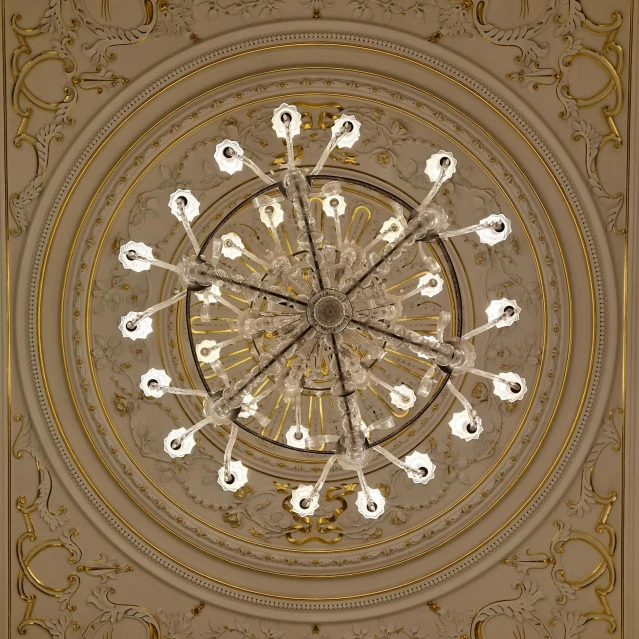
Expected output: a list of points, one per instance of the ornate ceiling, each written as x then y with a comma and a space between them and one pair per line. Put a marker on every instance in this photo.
110, 106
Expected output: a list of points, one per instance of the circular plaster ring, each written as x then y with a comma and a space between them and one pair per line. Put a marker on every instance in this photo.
590, 402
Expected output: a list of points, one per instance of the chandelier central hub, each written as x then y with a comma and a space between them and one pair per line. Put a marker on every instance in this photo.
329, 311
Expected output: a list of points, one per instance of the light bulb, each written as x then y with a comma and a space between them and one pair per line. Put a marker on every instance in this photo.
504, 387
430, 284
232, 245
296, 436
184, 203
272, 215
280, 114
351, 136
463, 427
437, 162
494, 234
422, 468
135, 329
228, 155
334, 204
208, 351
152, 382
301, 504
174, 448
403, 397
505, 307
392, 229
129, 254
237, 477
375, 508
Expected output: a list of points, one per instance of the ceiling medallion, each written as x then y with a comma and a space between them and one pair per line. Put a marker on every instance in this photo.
320, 316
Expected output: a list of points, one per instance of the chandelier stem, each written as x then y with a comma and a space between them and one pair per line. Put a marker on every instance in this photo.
183, 391
276, 239
388, 333
330, 147
446, 235
228, 451
195, 428
352, 429
462, 400
514, 386
433, 192
290, 150
298, 411
391, 458
158, 307
256, 169
161, 264
405, 296
256, 259
322, 478
364, 485
228, 304
366, 250
189, 231
338, 231
382, 383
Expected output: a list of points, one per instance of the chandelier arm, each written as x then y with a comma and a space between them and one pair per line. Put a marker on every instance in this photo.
338, 231
330, 147
301, 205
364, 485
160, 264
290, 151
263, 367
384, 330
381, 382
238, 280
221, 300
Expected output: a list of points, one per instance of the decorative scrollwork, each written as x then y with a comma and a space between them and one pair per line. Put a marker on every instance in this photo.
26, 99
29, 547
603, 575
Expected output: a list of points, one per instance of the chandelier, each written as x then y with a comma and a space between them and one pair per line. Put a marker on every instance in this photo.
324, 299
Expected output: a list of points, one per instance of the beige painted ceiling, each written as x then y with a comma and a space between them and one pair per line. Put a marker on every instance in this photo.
112, 104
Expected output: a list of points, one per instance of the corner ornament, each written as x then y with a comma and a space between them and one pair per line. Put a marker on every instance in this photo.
31, 588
